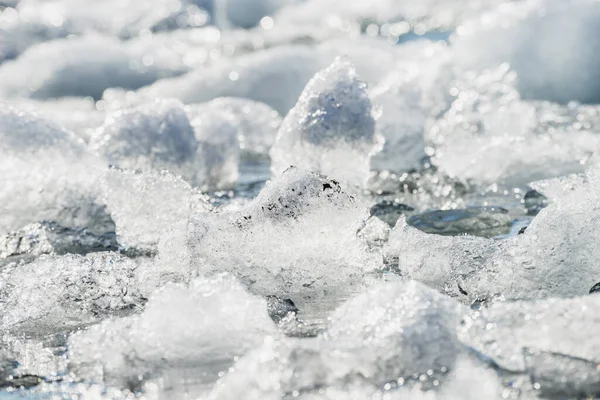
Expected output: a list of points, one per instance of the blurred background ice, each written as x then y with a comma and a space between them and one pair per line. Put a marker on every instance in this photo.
312, 199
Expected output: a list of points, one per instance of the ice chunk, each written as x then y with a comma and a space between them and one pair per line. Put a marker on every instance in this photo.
197, 326
508, 140
146, 205
387, 334
296, 239
331, 129
38, 179
257, 123
506, 329
83, 66
198, 143
552, 45
397, 330
156, 135
57, 293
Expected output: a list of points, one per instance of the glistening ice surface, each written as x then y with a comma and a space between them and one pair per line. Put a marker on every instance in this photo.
300, 199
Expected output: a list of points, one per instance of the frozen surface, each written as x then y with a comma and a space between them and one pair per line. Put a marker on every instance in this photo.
490, 135
330, 130
38, 180
298, 236
299, 199
56, 293
146, 205
209, 321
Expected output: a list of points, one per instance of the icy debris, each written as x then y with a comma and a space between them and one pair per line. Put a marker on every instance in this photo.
83, 66
298, 237
555, 256
438, 261
146, 205
36, 239
38, 179
375, 232
206, 323
504, 330
397, 330
273, 76
257, 123
386, 334
509, 141
55, 293
156, 135
551, 44
193, 142
331, 129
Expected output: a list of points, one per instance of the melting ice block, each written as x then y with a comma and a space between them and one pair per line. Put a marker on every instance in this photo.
56, 293
491, 135
146, 205
387, 334
551, 44
38, 179
298, 236
191, 141
561, 326
555, 257
330, 130
206, 323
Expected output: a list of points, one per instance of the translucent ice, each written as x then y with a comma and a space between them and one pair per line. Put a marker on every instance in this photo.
257, 123
397, 330
551, 44
386, 334
83, 66
203, 324
506, 329
190, 141
555, 256
56, 293
146, 205
331, 129
37, 174
507, 140
298, 236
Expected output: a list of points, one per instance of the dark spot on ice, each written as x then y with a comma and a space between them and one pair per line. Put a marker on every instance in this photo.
327, 186
461, 290
522, 230
595, 288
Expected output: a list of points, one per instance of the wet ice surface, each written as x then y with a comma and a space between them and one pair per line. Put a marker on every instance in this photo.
276, 199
